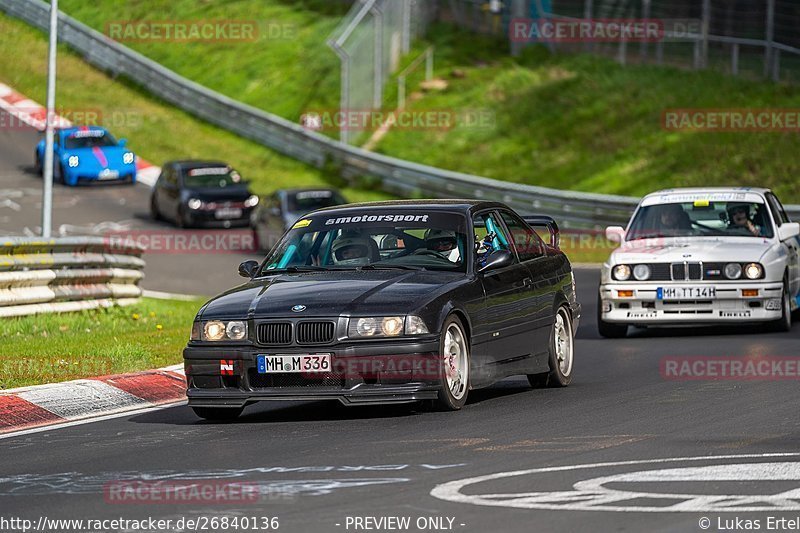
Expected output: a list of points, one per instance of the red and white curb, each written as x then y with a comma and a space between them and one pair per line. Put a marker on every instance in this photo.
86, 399
34, 115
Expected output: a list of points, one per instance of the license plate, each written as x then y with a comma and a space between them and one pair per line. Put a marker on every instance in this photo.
109, 175
290, 364
686, 293
228, 212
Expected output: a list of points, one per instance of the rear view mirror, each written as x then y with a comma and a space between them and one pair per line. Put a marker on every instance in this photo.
615, 234
248, 269
788, 230
497, 260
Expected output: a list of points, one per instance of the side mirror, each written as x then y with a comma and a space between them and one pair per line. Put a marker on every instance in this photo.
497, 259
788, 230
248, 269
615, 234
123, 142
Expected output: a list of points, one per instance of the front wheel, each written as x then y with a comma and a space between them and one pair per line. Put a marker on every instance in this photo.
218, 414
561, 351
454, 365
784, 323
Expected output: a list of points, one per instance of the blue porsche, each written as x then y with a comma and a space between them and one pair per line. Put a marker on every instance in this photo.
88, 153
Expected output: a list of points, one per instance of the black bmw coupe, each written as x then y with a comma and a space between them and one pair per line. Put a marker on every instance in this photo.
389, 302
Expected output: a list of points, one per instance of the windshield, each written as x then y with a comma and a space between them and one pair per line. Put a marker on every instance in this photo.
307, 201
701, 219
212, 177
397, 239
89, 139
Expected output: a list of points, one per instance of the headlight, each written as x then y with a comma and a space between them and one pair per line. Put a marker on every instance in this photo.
622, 272
73, 161
127, 158
733, 271
753, 271
194, 204
251, 202
386, 326
641, 272
217, 330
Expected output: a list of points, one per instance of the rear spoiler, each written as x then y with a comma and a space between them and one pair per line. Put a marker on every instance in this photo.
543, 221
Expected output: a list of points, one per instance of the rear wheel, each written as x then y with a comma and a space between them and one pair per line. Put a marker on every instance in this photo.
454, 365
37, 165
561, 350
607, 329
154, 212
218, 414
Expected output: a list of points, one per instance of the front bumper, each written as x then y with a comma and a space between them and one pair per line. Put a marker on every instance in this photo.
202, 217
374, 373
727, 306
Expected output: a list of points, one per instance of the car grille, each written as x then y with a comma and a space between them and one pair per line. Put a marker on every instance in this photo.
686, 271
659, 272
275, 333
315, 332
278, 381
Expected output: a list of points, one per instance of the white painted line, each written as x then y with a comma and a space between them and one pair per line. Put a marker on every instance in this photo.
158, 295
589, 495
72, 423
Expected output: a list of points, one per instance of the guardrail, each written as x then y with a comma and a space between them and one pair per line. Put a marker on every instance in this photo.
70, 274
571, 209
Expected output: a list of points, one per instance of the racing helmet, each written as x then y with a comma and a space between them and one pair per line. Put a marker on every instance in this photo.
351, 251
443, 241
735, 208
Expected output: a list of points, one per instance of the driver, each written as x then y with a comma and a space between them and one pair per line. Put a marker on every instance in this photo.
672, 217
351, 251
739, 218
444, 242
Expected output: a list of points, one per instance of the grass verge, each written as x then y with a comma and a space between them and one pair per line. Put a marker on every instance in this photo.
61, 347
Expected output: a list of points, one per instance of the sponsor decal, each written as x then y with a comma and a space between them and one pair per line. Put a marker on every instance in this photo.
79, 134
226, 367
735, 314
212, 171
302, 223
376, 218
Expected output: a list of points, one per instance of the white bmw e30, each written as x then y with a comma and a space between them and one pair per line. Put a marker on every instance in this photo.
702, 256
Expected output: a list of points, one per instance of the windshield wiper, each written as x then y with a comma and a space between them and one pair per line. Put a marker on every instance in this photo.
390, 267
295, 269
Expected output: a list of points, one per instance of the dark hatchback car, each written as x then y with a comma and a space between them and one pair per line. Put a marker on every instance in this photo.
388, 302
284, 207
202, 193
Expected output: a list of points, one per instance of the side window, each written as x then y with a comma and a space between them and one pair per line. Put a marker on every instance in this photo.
777, 209
171, 177
526, 241
490, 235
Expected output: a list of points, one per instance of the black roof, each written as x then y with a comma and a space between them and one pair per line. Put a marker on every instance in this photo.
440, 204
189, 164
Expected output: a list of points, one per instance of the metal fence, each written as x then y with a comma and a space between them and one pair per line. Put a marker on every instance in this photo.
58, 275
752, 37
370, 43
571, 209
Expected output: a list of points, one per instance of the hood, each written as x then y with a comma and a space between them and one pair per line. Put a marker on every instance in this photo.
237, 193
98, 158
694, 249
327, 294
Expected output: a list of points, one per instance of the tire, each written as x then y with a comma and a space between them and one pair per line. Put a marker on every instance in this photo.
155, 214
784, 323
218, 414
37, 165
561, 352
182, 221
454, 348
607, 329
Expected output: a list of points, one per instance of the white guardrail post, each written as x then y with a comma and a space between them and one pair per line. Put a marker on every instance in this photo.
572, 210
69, 274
